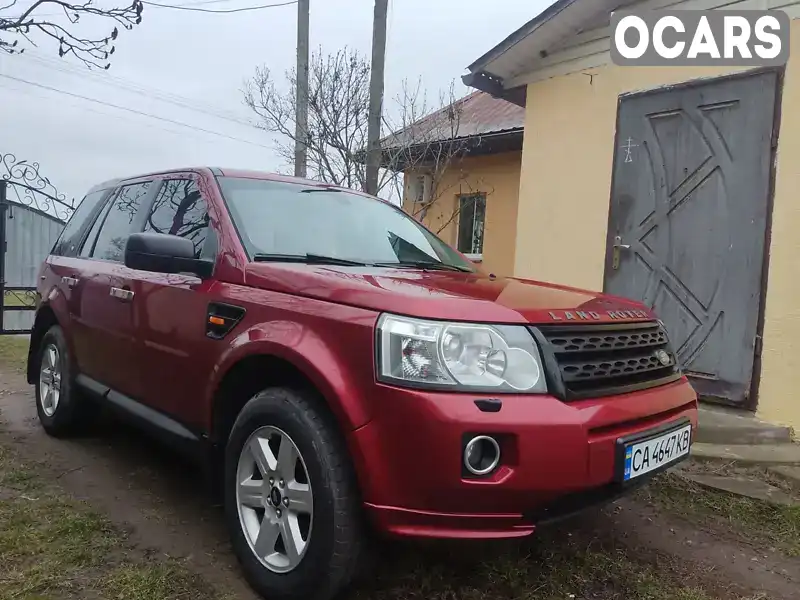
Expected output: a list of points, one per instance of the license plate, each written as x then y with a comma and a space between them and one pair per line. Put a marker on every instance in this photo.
653, 453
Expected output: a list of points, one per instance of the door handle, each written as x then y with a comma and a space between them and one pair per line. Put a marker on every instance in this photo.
70, 282
121, 294
618, 245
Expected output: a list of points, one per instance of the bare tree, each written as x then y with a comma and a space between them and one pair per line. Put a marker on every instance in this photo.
426, 139
429, 146
60, 21
338, 103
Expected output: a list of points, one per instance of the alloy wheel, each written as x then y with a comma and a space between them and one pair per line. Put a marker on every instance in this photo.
50, 380
274, 498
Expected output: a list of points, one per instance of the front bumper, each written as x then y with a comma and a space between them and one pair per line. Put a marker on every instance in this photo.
556, 458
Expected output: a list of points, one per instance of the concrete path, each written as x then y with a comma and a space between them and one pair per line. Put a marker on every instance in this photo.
724, 426
759, 454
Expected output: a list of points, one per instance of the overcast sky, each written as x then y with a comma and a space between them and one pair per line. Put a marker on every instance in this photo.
202, 60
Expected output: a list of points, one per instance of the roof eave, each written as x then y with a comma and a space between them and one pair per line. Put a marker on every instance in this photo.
480, 64
492, 85
496, 142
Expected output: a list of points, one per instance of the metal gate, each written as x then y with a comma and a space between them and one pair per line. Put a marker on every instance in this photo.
689, 212
32, 215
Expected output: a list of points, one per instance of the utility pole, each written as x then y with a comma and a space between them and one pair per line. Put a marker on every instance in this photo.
301, 101
376, 95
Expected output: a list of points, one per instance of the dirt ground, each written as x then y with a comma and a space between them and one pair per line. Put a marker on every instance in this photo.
634, 548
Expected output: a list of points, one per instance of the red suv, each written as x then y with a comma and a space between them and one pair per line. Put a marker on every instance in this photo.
343, 370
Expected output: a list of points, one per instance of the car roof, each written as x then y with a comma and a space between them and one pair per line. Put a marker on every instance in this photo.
228, 172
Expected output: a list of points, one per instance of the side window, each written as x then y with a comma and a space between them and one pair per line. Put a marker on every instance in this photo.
471, 221
179, 209
88, 244
70, 237
117, 223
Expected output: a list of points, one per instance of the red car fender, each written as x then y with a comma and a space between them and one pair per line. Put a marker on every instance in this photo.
54, 300
310, 354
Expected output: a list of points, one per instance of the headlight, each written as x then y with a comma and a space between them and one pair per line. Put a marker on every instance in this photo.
464, 356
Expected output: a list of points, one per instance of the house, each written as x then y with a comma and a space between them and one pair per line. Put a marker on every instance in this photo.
672, 185
461, 167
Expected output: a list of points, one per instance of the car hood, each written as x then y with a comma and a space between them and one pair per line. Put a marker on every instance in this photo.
445, 294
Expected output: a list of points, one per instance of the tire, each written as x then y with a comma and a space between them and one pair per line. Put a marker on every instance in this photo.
328, 559
63, 411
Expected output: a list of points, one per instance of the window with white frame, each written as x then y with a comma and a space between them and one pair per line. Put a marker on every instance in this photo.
471, 221
419, 188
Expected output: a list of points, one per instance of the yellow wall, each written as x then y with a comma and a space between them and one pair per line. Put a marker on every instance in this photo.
497, 175
565, 187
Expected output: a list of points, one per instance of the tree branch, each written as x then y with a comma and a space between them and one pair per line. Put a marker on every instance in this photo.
92, 51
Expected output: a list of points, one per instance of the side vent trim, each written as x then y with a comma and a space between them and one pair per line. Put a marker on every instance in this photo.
221, 319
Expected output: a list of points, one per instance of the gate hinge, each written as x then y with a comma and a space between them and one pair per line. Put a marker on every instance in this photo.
758, 345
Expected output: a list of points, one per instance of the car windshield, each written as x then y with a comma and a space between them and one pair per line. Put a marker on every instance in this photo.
291, 221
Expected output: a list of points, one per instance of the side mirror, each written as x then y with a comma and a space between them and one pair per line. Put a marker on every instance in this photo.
164, 253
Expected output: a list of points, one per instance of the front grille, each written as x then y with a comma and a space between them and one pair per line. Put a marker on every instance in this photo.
599, 360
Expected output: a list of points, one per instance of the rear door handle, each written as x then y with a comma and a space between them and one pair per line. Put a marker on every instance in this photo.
121, 294
70, 282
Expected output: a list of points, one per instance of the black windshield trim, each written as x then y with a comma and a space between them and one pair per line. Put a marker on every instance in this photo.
424, 264
308, 258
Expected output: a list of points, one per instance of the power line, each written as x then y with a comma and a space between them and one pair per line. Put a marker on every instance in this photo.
118, 82
208, 10
21, 90
184, 6
131, 110
203, 2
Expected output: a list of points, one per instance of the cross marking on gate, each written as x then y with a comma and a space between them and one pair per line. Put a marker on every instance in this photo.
628, 147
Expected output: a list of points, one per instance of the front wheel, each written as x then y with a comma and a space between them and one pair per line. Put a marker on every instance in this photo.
290, 498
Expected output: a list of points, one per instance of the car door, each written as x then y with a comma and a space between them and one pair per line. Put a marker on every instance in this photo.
172, 309
64, 260
103, 320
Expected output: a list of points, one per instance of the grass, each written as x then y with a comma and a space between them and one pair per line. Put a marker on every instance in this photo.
13, 352
11, 298
554, 567
155, 582
751, 520
52, 546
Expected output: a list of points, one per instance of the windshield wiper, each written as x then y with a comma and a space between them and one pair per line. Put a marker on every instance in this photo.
311, 259
320, 259
424, 264
322, 189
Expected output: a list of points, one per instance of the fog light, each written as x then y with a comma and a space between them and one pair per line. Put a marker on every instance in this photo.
481, 455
